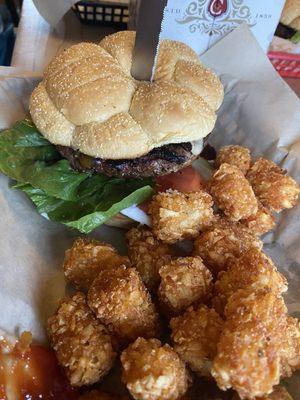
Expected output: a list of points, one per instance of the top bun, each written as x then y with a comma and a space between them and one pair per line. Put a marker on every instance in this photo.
89, 101
291, 14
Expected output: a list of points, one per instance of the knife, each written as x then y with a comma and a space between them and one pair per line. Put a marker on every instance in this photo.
149, 22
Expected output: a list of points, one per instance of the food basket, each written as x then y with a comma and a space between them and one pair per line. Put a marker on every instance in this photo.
103, 13
287, 64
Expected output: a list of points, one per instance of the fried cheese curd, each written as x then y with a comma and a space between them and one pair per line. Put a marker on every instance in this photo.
222, 243
273, 187
195, 335
152, 371
121, 301
261, 222
249, 350
232, 193
99, 395
86, 258
177, 216
82, 344
253, 269
147, 255
184, 281
237, 156
279, 393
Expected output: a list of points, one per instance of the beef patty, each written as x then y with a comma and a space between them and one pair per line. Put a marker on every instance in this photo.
159, 161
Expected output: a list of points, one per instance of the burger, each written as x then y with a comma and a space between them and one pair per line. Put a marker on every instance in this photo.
112, 128
287, 34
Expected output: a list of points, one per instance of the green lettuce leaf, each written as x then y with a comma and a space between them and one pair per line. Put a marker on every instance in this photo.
76, 199
90, 212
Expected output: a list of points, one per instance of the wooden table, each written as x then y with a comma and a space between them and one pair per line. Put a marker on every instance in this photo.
37, 43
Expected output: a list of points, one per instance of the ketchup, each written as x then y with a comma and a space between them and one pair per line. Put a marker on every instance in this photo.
32, 374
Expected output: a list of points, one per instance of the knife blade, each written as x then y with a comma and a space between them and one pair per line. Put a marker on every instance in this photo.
149, 22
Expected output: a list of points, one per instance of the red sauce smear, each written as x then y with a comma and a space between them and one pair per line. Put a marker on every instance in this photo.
33, 374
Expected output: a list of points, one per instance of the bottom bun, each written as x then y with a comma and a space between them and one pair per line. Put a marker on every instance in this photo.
121, 221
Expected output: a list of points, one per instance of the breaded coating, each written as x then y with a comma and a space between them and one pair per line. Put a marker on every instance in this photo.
176, 216
232, 193
249, 350
86, 258
99, 395
147, 255
184, 281
222, 243
261, 222
195, 335
279, 393
237, 156
82, 344
121, 301
153, 372
291, 347
253, 269
273, 187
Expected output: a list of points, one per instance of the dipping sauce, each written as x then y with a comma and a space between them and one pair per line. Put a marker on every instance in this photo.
31, 372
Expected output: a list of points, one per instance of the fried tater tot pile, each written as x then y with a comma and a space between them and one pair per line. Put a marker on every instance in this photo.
147, 255
291, 348
121, 301
81, 343
232, 192
195, 335
237, 156
248, 353
222, 243
261, 222
272, 186
176, 216
253, 269
86, 258
184, 281
153, 372
198, 280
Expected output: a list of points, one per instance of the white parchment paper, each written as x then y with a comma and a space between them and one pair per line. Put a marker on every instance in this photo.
260, 111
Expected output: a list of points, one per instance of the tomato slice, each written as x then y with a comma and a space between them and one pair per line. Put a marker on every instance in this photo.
185, 180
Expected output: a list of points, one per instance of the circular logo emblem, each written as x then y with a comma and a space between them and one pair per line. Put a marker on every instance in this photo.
217, 7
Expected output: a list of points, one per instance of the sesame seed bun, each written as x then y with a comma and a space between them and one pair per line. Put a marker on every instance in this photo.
89, 101
291, 14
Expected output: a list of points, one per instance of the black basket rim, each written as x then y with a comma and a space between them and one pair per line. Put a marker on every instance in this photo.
102, 3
